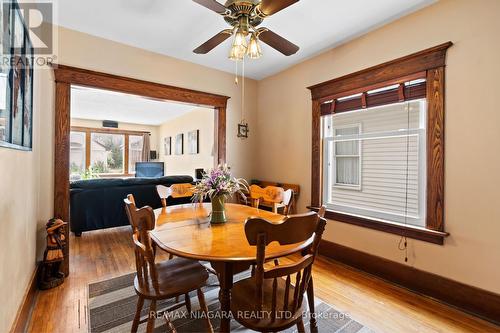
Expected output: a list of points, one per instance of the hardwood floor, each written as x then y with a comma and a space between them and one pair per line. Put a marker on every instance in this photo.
377, 304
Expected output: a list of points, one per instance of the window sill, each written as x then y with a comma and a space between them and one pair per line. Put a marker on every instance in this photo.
414, 232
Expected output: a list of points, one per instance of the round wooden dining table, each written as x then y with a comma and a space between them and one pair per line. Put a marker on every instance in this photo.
185, 231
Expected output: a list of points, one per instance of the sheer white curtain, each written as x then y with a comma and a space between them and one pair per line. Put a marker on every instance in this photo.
347, 157
145, 147
348, 170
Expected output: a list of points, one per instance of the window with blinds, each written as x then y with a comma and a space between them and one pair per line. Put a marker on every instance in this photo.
374, 162
389, 174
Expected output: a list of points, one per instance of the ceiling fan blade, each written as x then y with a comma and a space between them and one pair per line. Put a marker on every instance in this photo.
277, 42
270, 7
212, 5
213, 42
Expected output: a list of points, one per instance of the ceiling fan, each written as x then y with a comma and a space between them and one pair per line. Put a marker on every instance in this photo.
245, 16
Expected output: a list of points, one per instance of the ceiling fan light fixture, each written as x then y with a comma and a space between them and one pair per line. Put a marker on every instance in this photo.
244, 17
254, 50
240, 39
239, 46
237, 53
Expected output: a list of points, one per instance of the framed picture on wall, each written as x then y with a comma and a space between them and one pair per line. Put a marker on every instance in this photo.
167, 145
5, 83
16, 80
28, 93
179, 144
194, 142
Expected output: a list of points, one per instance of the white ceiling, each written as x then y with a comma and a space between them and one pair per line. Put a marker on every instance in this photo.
176, 27
96, 104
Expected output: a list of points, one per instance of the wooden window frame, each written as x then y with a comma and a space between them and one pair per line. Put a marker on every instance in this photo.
429, 64
126, 149
66, 76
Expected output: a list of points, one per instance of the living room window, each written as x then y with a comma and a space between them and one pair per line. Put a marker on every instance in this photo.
104, 152
107, 153
378, 146
77, 153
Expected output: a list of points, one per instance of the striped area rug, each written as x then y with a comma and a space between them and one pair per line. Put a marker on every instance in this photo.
112, 305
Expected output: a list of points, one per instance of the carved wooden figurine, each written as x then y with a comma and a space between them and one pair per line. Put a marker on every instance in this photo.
50, 275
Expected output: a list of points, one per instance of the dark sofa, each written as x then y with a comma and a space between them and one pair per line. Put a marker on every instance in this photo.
98, 203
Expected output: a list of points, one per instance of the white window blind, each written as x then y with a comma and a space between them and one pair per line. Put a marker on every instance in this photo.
374, 162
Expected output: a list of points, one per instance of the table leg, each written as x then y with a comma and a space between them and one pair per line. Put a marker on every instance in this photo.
225, 271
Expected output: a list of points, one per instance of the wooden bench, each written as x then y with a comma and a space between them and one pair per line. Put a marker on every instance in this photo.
265, 199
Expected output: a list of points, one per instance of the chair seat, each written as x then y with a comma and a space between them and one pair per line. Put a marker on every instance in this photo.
176, 277
244, 305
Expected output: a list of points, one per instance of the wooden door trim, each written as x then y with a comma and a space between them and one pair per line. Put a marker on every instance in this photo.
65, 76
220, 140
93, 79
106, 130
61, 161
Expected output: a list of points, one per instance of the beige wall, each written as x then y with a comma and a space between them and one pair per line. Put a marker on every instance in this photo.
280, 136
18, 213
471, 253
201, 119
124, 126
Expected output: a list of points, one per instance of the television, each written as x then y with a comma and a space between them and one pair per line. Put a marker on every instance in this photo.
149, 169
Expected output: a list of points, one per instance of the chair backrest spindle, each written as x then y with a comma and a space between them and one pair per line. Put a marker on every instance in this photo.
287, 201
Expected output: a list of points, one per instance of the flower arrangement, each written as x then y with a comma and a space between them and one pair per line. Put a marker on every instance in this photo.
219, 182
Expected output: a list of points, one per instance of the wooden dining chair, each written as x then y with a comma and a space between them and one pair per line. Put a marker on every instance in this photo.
182, 190
164, 280
271, 196
260, 302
